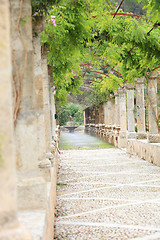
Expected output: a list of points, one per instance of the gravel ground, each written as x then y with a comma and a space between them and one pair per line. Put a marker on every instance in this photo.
107, 194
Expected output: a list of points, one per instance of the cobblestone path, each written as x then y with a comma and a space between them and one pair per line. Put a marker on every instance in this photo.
107, 194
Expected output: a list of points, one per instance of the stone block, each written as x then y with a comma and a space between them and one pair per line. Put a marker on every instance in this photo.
141, 135
34, 220
45, 173
122, 139
41, 134
147, 151
17, 233
49, 227
154, 138
32, 193
26, 141
131, 135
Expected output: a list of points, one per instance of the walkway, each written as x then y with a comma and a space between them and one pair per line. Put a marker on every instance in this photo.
107, 194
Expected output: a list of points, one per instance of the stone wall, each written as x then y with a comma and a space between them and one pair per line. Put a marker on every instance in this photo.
9, 225
117, 122
103, 125
28, 133
145, 150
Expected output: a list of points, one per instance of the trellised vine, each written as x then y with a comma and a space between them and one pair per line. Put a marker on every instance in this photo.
127, 41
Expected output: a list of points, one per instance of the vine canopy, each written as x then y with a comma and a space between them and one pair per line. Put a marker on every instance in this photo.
82, 33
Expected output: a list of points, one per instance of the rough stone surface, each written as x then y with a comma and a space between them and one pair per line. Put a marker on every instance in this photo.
123, 118
34, 220
38, 102
153, 104
107, 194
145, 150
141, 135
130, 110
46, 104
32, 193
117, 118
131, 135
9, 226
154, 138
140, 106
7, 154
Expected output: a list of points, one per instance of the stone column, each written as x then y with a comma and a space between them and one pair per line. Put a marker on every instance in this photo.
84, 117
112, 111
105, 112
101, 113
23, 74
130, 112
154, 135
9, 227
38, 89
30, 175
46, 99
97, 116
109, 110
141, 128
54, 127
53, 111
116, 129
123, 119
117, 114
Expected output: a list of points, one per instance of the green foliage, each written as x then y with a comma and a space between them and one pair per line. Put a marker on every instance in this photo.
84, 32
70, 111
65, 43
128, 48
42, 6
68, 40
153, 9
73, 109
79, 118
112, 83
97, 95
63, 115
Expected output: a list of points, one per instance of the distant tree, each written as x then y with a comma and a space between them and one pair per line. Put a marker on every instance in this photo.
70, 110
78, 118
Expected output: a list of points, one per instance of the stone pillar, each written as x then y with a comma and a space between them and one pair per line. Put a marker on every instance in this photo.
9, 228
84, 117
117, 114
105, 112
46, 99
130, 112
54, 128
154, 135
116, 128
30, 175
97, 116
112, 111
23, 74
141, 128
109, 112
101, 113
38, 103
53, 111
123, 119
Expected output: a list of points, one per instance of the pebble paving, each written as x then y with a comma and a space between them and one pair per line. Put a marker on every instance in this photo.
107, 194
